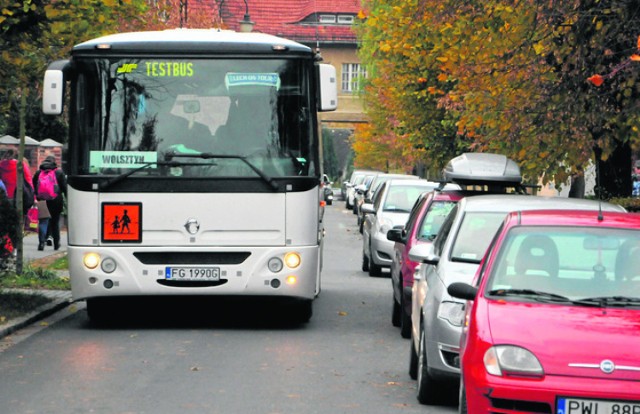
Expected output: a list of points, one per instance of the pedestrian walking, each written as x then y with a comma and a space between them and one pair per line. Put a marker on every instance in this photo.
43, 223
9, 176
50, 184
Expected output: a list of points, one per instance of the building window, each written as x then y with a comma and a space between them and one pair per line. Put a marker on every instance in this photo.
327, 18
345, 19
351, 75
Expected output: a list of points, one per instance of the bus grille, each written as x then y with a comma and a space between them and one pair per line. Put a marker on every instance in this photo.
191, 258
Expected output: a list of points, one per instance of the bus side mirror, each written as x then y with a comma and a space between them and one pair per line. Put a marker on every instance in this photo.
328, 88
53, 88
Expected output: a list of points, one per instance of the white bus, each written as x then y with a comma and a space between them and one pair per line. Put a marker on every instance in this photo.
193, 166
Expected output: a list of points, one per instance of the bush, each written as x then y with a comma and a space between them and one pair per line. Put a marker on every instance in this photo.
632, 204
8, 225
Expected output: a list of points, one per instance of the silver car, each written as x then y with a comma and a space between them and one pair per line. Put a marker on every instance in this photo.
391, 207
454, 256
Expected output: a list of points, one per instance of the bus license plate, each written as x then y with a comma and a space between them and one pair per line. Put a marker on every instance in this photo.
583, 406
192, 273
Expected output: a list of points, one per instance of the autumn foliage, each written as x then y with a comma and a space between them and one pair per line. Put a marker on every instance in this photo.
513, 77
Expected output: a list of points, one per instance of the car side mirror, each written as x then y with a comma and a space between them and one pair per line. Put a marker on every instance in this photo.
367, 208
423, 253
395, 234
462, 291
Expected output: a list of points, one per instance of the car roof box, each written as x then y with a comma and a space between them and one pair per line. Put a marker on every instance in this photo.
473, 167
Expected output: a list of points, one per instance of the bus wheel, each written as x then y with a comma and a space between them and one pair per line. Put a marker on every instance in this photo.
98, 310
303, 311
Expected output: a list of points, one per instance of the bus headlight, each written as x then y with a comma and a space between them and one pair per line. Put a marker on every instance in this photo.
91, 260
108, 265
292, 260
275, 264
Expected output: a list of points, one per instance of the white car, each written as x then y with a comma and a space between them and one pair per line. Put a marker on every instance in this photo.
391, 207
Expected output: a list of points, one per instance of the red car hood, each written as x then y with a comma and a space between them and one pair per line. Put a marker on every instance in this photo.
562, 335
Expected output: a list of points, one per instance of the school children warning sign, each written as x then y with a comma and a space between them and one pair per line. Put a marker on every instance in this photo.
122, 222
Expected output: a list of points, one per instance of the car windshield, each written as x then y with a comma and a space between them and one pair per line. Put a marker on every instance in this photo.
475, 233
401, 198
434, 218
577, 265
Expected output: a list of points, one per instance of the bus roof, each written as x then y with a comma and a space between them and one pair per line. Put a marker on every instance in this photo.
191, 41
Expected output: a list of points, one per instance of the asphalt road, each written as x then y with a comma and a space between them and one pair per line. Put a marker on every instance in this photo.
229, 357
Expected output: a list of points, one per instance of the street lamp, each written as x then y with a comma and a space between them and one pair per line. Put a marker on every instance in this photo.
246, 25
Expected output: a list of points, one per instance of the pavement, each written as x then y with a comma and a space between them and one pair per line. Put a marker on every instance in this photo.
59, 298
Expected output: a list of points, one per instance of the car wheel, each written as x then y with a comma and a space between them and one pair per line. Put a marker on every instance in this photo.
329, 202
355, 209
374, 269
405, 319
462, 404
365, 262
426, 385
413, 361
361, 228
395, 313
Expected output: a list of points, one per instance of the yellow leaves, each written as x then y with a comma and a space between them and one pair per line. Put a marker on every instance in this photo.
385, 47
109, 3
635, 57
442, 59
538, 48
443, 77
361, 14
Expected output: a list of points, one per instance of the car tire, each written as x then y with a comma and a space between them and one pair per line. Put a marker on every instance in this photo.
462, 403
395, 313
405, 320
355, 209
426, 385
365, 262
374, 269
413, 361
361, 226
303, 311
329, 202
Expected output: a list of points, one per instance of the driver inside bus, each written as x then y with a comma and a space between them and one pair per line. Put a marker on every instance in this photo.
249, 129
182, 127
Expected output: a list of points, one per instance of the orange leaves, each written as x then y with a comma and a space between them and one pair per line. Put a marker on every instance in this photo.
597, 80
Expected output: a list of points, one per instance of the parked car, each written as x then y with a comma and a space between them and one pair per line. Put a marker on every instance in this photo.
327, 189
390, 207
375, 184
360, 190
479, 173
552, 322
423, 224
357, 177
455, 256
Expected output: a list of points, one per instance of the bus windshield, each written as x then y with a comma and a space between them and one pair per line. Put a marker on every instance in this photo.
193, 117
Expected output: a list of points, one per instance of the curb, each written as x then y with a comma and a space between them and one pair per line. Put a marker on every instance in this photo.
60, 300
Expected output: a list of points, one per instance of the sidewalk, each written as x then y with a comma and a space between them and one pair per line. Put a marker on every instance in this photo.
59, 298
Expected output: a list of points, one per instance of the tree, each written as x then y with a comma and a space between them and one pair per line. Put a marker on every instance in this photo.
507, 77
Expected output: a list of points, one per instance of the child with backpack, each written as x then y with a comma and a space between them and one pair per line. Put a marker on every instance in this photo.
50, 185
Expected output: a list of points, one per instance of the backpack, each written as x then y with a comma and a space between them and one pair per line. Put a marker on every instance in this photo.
47, 185
27, 195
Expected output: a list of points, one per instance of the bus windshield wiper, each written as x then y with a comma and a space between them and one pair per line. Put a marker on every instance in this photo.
604, 301
108, 183
207, 155
530, 292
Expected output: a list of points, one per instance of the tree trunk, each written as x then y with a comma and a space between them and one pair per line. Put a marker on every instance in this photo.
615, 174
19, 169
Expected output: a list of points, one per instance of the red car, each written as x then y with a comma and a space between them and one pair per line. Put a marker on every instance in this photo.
422, 226
553, 316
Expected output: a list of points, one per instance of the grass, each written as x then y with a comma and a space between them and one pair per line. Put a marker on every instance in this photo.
16, 304
35, 276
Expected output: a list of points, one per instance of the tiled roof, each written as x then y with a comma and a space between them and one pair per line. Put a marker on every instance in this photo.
292, 19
